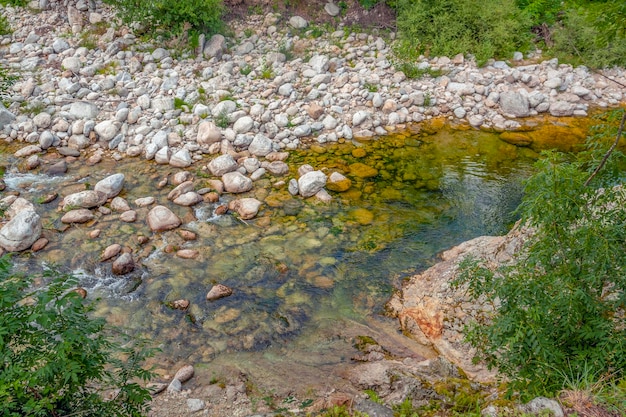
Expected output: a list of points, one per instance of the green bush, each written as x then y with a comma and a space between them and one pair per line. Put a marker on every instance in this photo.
592, 33
14, 3
6, 81
561, 303
55, 360
172, 17
484, 28
541, 11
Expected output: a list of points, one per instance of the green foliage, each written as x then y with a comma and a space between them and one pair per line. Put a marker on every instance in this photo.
5, 27
561, 303
14, 3
172, 17
245, 69
593, 33
222, 120
56, 360
541, 11
6, 81
484, 28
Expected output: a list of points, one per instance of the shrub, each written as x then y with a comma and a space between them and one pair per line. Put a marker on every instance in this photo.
56, 360
6, 81
593, 33
172, 17
561, 303
484, 28
541, 11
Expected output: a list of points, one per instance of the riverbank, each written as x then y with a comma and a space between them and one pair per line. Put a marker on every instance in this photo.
90, 94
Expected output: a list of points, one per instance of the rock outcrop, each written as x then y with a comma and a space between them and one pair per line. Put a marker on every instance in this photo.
434, 313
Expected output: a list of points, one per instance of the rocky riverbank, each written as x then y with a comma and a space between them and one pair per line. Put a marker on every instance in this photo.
231, 111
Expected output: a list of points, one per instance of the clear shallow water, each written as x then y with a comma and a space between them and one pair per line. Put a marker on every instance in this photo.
302, 268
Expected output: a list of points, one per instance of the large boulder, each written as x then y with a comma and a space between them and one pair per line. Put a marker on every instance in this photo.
21, 231
222, 164
236, 182
429, 308
247, 208
208, 133
84, 199
310, 183
160, 219
111, 185
514, 103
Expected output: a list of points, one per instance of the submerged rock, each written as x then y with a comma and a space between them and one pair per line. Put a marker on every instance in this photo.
123, 265
218, 291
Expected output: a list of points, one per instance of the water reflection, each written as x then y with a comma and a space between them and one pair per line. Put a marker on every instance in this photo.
308, 264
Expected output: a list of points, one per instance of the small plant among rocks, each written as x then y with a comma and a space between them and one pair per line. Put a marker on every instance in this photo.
56, 360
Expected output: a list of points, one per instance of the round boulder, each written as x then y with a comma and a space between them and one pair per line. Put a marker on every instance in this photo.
21, 231
161, 218
236, 182
311, 182
111, 185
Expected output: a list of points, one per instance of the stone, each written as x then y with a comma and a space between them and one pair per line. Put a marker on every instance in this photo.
27, 151
58, 168
298, 22
359, 117
107, 130
311, 182
247, 208
123, 265
562, 108
187, 253
42, 120
261, 145
215, 47
195, 405
514, 103
277, 168
338, 182
128, 216
84, 199
77, 216
84, 110
182, 176
539, 405
46, 139
6, 117
110, 252
332, 9
315, 111
162, 156
175, 386
119, 204
180, 189
222, 164
427, 305
110, 186
361, 170
39, 244
218, 291
208, 133
181, 159
236, 182
32, 162
319, 63
144, 201
188, 199
161, 218
243, 125
21, 231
